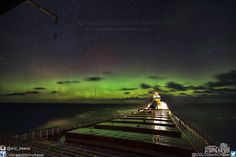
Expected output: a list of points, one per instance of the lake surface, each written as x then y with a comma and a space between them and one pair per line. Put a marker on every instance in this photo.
16, 118
217, 120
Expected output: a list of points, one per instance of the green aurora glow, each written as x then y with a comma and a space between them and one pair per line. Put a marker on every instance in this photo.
105, 51
109, 87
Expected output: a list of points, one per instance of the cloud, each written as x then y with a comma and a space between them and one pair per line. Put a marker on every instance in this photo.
145, 86
224, 79
54, 92
126, 93
200, 87
21, 93
155, 77
218, 91
63, 82
184, 94
15, 94
125, 89
95, 78
176, 86
157, 88
142, 95
224, 87
151, 92
39, 88
32, 92
67, 82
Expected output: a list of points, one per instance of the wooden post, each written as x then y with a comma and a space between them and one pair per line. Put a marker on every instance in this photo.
33, 135
47, 133
16, 137
40, 133
52, 131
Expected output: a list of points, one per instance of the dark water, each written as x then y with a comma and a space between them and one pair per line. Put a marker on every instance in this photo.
17, 118
217, 120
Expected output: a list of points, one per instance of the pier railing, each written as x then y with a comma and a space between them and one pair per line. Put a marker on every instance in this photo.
44, 133
196, 137
56, 132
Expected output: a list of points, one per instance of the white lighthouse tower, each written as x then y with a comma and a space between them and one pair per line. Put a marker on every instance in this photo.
157, 98
160, 104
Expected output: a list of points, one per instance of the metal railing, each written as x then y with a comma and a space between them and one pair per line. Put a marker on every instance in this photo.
197, 138
44, 133
54, 132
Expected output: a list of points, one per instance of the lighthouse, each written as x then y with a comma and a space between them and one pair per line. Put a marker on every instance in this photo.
160, 104
157, 98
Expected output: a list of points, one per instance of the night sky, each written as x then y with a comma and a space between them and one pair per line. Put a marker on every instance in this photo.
119, 51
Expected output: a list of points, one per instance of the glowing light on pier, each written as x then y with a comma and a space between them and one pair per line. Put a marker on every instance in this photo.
160, 104
163, 105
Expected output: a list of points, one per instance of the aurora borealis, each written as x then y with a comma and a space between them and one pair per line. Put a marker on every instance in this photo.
115, 51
